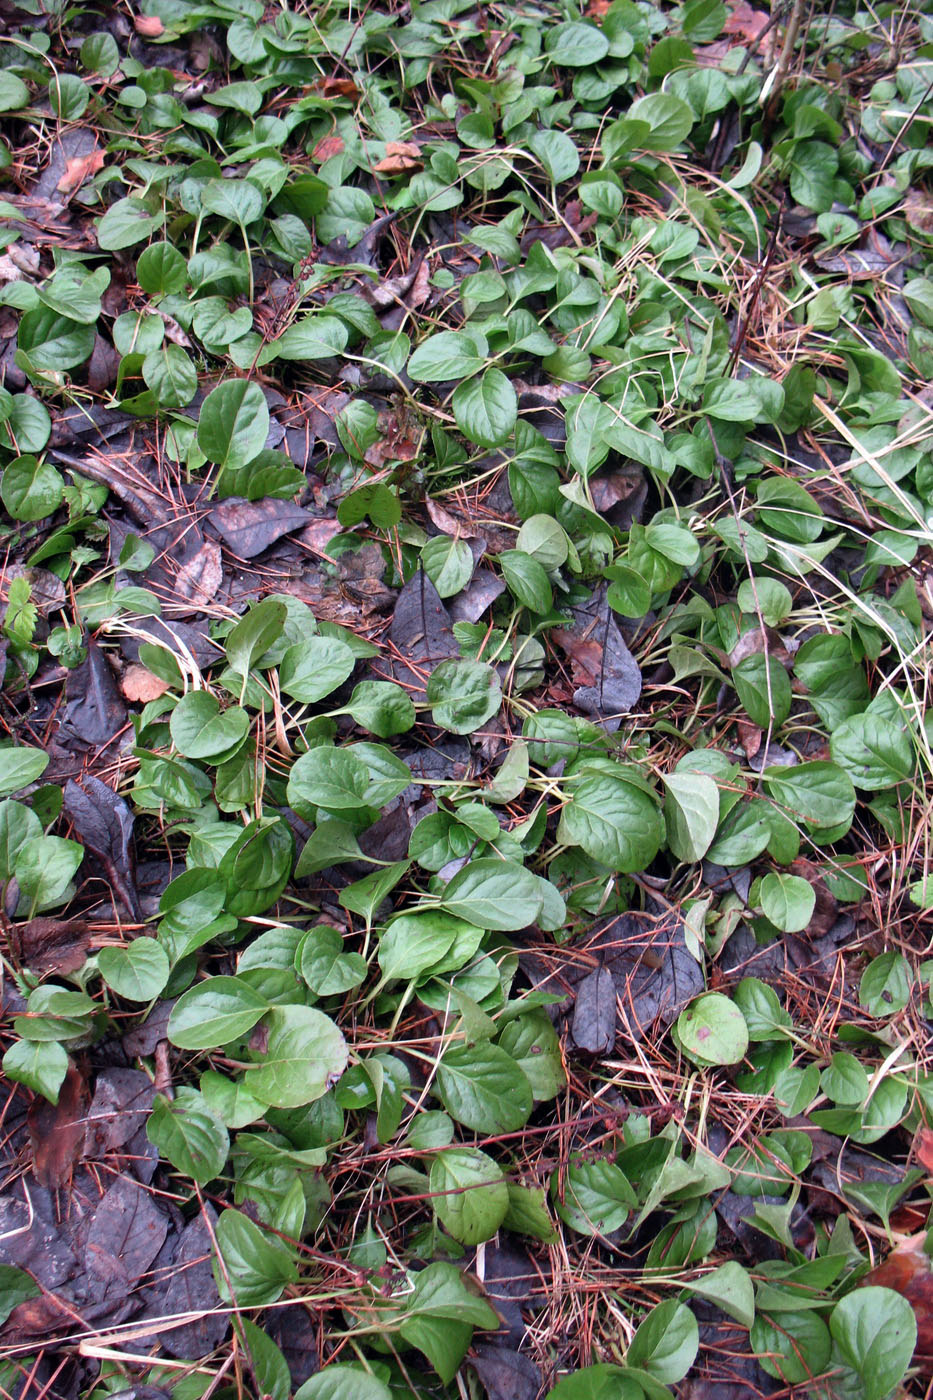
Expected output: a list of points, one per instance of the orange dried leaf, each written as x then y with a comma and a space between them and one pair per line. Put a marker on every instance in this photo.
336, 87
149, 26
328, 146
399, 156
80, 168
141, 685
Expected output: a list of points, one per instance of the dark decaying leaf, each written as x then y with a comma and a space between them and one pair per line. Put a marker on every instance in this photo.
505, 1374
56, 1131
95, 711
50, 945
594, 1013
186, 1285
605, 671
103, 823
249, 527
421, 634
126, 1234
32, 1238
480, 593
293, 1332
122, 1100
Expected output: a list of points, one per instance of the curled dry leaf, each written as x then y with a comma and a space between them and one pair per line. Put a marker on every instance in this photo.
399, 156
80, 168
56, 1132
328, 146
140, 685
149, 26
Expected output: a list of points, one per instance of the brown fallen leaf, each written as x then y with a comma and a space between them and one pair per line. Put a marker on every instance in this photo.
918, 209
328, 146
80, 168
200, 577
399, 156
149, 26
749, 738
586, 657
744, 22
924, 1149
336, 87
56, 1131
50, 945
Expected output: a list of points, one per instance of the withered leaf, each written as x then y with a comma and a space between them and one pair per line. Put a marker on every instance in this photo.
78, 169
95, 709
103, 823
249, 527
594, 1013
50, 945
56, 1131
422, 635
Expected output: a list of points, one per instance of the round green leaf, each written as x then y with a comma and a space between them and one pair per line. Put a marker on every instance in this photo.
886, 985
200, 729
788, 901
161, 270
214, 1012
494, 894
315, 667
875, 1330
614, 821
469, 1194
463, 695
329, 777
188, 1135
483, 1088
137, 971
382, 707
31, 489
448, 563
304, 1054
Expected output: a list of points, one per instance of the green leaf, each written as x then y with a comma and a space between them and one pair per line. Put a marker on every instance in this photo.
527, 580
31, 489
463, 695
54, 342
533, 1043
257, 1264
528, 1214
214, 1012
494, 894
343, 1382
315, 667
794, 1347
200, 729
597, 1197
817, 792
763, 686
416, 941
469, 1194
730, 1287
875, 1330
447, 355
15, 1286
886, 985
44, 867
188, 1135
691, 814
614, 821
485, 407
329, 777
669, 120
20, 766
237, 200
712, 1030
305, 1053
234, 423
483, 1088
448, 563
127, 223
788, 901
666, 1343
554, 149
876, 752
382, 707
14, 93
254, 634
440, 1314
137, 971
324, 965
269, 1367
39, 1064
576, 44
315, 337
68, 96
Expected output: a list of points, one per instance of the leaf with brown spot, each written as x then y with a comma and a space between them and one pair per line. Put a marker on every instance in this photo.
80, 168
